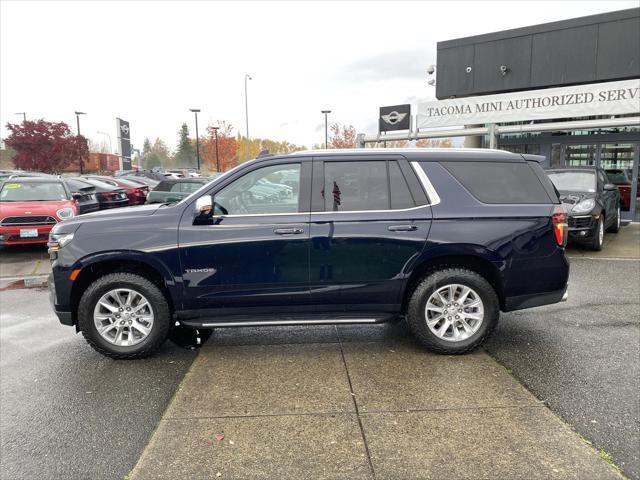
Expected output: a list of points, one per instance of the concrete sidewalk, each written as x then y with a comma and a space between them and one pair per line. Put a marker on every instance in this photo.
21, 262
356, 402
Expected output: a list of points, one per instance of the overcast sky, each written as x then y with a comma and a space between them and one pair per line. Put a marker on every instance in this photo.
149, 62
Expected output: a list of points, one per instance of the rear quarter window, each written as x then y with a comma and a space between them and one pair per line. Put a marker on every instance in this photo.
499, 182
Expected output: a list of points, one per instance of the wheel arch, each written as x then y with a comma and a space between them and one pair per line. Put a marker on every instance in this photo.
137, 263
470, 260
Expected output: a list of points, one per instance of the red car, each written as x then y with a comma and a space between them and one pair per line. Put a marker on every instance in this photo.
136, 192
621, 179
30, 207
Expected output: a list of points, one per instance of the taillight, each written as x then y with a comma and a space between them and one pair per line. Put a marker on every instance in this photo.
560, 227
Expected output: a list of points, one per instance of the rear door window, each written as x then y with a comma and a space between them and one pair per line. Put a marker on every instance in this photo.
355, 186
499, 182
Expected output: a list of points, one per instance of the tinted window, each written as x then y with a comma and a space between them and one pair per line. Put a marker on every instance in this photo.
573, 180
499, 182
261, 192
355, 186
400, 194
164, 186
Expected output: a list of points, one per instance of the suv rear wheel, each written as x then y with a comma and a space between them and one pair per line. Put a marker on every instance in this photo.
124, 315
453, 310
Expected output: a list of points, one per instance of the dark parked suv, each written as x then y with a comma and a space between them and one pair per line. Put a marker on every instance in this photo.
445, 239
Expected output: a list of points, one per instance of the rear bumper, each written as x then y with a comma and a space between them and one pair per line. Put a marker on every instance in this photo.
536, 300
66, 318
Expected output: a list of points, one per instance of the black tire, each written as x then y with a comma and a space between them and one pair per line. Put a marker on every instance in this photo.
161, 321
615, 226
416, 315
596, 243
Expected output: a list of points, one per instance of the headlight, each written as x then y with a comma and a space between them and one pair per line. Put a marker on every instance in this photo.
65, 213
584, 206
57, 241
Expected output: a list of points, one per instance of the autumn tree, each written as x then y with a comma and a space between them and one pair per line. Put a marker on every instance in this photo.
45, 146
342, 137
158, 155
227, 147
186, 150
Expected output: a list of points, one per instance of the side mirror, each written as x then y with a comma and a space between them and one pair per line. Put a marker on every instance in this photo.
204, 208
610, 187
76, 196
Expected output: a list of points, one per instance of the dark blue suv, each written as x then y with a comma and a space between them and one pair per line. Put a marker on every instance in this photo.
444, 239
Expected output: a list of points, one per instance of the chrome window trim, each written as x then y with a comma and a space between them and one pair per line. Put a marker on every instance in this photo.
434, 198
370, 211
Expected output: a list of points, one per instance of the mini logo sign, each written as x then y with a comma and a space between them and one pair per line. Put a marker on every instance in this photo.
395, 117
124, 128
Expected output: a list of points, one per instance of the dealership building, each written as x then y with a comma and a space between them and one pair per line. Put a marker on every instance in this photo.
567, 90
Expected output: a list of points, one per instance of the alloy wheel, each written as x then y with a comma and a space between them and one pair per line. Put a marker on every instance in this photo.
454, 312
123, 317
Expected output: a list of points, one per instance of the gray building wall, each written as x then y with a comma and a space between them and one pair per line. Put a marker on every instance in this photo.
589, 49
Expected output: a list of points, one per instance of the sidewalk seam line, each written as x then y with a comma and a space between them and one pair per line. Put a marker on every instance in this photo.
355, 405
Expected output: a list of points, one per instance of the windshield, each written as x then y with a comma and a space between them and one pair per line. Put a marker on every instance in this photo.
28, 192
574, 181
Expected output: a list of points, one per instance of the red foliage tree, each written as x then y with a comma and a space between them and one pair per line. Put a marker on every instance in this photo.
227, 147
344, 137
45, 146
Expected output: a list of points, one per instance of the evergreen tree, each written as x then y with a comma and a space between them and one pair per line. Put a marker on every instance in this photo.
186, 151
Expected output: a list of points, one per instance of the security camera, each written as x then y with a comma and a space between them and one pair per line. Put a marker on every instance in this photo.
431, 82
431, 69
503, 69
468, 69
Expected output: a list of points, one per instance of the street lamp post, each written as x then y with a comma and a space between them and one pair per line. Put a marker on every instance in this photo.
24, 116
215, 132
326, 130
195, 111
246, 109
109, 137
79, 155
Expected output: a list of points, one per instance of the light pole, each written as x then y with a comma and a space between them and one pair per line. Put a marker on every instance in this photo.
215, 132
24, 116
326, 130
109, 137
246, 108
195, 111
79, 155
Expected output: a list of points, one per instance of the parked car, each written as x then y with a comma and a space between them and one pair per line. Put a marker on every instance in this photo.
109, 196
142, 180
136, 192
622, 180
84, 194
444, 238
591, 201
30, 207
175, 189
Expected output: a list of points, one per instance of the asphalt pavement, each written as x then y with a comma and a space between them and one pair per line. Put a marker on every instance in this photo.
66, 411
582, 357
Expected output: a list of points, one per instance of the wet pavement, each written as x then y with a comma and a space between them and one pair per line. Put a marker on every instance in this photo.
66, 411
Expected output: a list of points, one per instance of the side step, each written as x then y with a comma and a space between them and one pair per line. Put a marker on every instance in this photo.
270, 321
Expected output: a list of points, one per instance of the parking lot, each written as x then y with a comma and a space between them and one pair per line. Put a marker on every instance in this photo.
361, 401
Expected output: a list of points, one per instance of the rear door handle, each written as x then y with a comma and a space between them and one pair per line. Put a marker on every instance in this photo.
402, 228
288, 231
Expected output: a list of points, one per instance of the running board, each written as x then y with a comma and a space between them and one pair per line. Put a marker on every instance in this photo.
252, 322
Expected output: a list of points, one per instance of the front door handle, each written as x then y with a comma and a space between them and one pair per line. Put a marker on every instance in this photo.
288, 231
402, 228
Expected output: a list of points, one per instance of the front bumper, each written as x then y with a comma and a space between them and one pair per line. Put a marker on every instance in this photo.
66, 318
11, 235
582, 226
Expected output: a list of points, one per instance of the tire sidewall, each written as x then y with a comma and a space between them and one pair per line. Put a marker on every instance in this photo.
96, 290
440, 279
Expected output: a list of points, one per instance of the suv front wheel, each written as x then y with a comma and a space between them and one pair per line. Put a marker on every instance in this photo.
124, 315
453, 310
